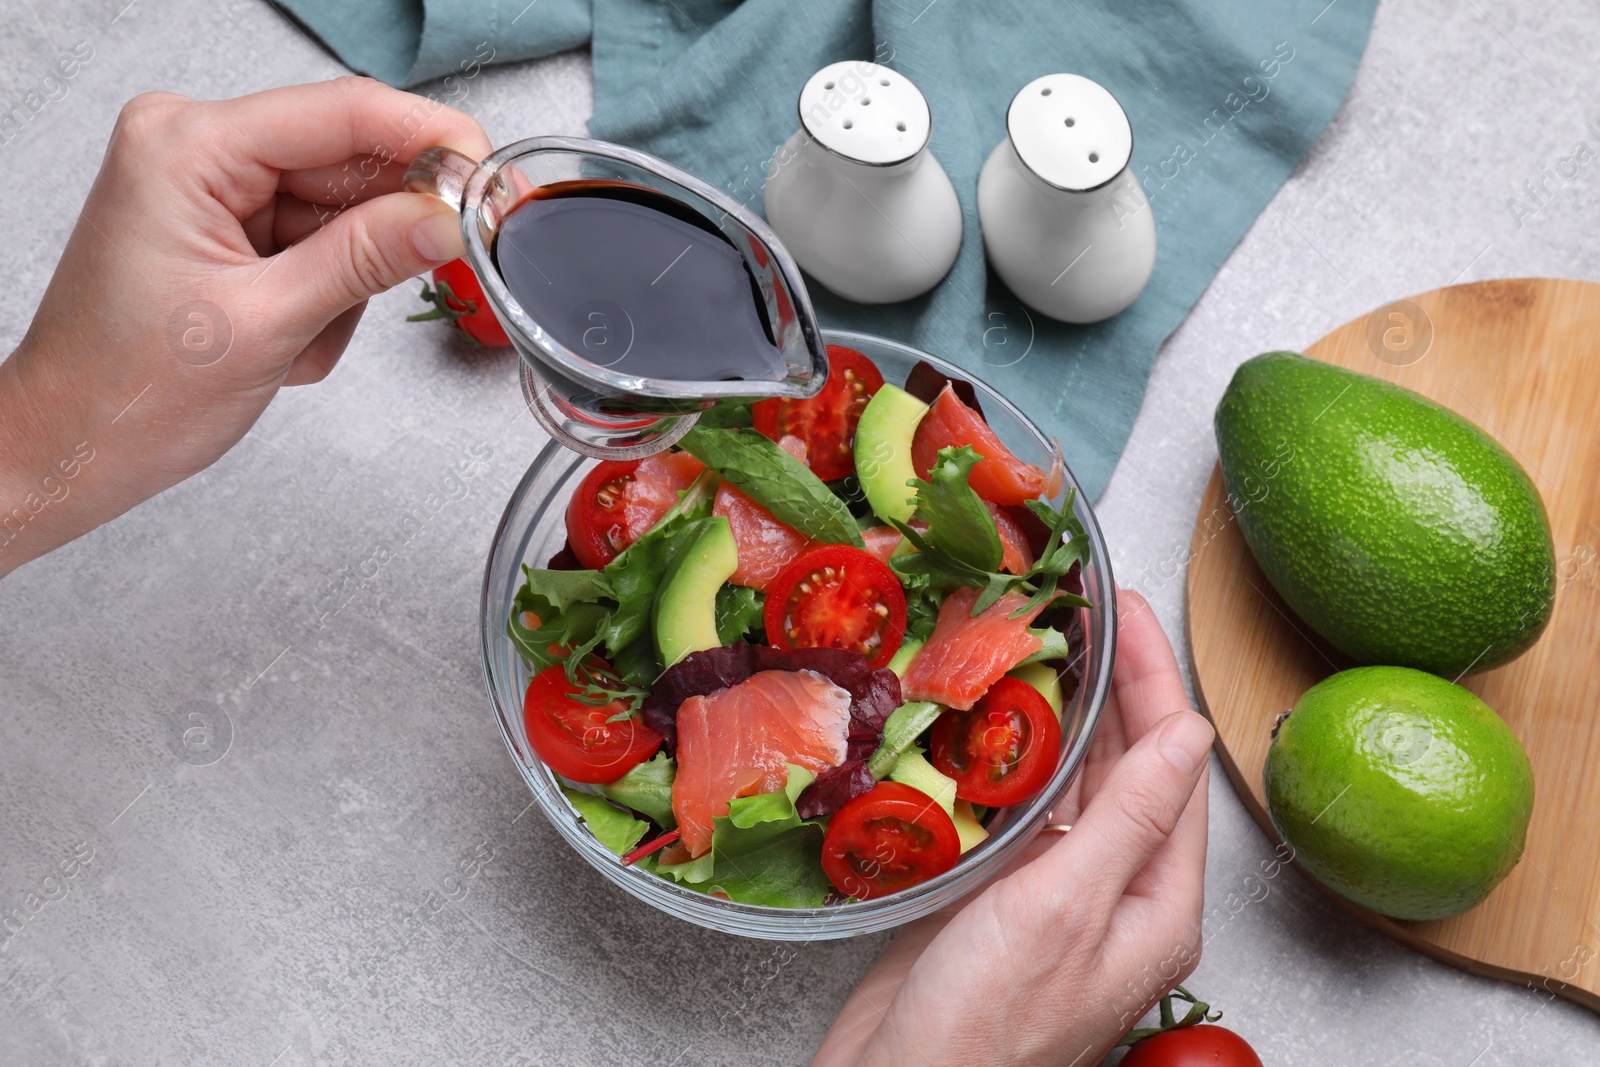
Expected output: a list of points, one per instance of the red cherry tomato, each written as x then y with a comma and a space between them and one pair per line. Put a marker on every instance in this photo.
597, 524
837, 596
1202, 1045
827, 421
618, 501
1002, 751
889, 838
575, 739
458, 298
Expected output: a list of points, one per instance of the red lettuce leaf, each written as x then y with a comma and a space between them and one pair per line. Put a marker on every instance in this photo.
833, 787
926, 382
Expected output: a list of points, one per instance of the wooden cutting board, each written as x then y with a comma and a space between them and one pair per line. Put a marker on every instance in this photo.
1521, 359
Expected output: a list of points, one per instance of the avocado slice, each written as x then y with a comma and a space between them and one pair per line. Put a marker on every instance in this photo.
1044, 678
883, 451
1400, 531
913, 769
968, 828
685, 617
904, 655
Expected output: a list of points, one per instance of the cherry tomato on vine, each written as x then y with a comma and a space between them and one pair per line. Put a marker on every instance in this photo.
458, 298
837, 596
577, 740
827, 421
1001, 752
1202, 1045
889, 838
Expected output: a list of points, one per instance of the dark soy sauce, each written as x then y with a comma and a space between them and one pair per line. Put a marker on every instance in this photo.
636, 282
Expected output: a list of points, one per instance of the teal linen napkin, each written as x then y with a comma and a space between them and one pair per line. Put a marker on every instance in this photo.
1225, 97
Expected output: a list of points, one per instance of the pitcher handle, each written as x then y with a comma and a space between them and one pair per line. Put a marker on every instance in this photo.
441, 171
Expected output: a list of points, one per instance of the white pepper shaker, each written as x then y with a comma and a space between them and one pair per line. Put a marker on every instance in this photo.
1065, 223
855, 195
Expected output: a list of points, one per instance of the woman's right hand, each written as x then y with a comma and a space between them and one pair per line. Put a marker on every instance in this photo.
227, 248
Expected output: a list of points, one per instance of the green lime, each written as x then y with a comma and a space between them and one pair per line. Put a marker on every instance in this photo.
1400, 791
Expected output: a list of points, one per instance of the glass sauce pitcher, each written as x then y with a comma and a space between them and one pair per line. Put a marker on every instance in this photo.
580, 402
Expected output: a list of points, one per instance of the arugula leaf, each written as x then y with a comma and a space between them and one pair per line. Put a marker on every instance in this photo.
958, 521
647, 789
776, 480
612, 827
762, 852
1055, 642
900, 732
739, 613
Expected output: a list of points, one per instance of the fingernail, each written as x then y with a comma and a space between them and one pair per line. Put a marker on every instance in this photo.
1185, 740
437, 236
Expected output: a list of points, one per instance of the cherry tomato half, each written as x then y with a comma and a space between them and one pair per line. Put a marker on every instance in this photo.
837, 596
1002, 751
458, 298
575, 739
889, 838
597, 526
1202, 1045
618, 501
827, 421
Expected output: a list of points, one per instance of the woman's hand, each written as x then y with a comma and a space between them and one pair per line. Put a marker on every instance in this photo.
227, 248
1060, 956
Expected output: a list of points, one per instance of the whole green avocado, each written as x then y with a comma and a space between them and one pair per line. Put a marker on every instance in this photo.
1399, 530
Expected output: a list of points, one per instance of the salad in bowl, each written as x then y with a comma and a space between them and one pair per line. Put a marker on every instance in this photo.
815, 669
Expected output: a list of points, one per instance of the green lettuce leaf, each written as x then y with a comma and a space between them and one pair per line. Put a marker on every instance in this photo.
637, 574
762, 852
609, 610
647, 789
776, 480
612, 827
958, 521
577, 626
739, 611
636, 662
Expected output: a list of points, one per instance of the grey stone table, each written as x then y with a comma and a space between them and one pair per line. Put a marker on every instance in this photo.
357, 880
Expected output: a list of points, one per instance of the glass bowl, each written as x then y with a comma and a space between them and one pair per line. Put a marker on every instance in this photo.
533, 529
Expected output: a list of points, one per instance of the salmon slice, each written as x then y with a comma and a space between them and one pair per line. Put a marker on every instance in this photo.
999, 477
766, 544
966, 655
655, 486
1016, 555
794, 446
881, 541
735, 742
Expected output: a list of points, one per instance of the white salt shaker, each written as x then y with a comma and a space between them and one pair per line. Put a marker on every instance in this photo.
856, 196
1065, 224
